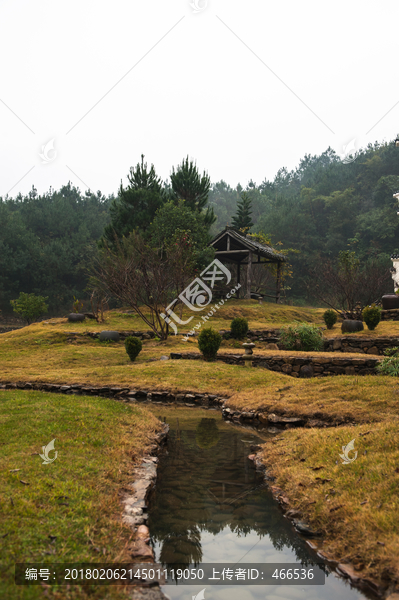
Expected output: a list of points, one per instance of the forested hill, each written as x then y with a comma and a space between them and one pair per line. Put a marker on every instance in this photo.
323, 207
44, 244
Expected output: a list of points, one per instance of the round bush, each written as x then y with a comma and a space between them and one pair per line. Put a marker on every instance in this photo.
371, 316
330, 318
239, 328
133, 346
349, 326
302, 337
209, 342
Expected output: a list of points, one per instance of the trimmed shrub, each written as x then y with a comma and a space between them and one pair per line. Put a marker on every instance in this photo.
209, 342
330, 318
302, 337
133, 346
239, 328
371, 316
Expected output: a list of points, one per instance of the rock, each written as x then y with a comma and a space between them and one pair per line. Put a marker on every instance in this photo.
146, 336
348, 326
277, 420
304, 529
143, 532
175, 355
139, 549
374, 350
164, 358
336, 344
348, 571
152, 593
306, 371
109, 335
271, 347
292, 513
76, 317
89, 315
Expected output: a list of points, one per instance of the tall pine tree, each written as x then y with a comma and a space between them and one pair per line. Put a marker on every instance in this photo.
136, 205
188, 185
242, 219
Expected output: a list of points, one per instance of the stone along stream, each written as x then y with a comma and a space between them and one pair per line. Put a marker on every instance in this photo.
210, 505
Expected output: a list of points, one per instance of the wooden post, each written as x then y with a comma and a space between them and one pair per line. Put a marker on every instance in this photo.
249, 274
238, 279
278, 283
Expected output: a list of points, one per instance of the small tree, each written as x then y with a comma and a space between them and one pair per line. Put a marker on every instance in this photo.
242, 219
29, 306
347, 282
144, 277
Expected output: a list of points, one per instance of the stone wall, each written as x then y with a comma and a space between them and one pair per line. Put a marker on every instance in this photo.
390, 315
124, 394
309, 366
361, 345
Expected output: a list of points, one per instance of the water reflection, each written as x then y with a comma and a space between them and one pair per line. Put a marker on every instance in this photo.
210, 505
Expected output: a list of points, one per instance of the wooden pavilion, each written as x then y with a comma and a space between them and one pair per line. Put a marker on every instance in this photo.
235, 247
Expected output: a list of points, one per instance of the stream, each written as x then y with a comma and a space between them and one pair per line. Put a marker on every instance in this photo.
210, 505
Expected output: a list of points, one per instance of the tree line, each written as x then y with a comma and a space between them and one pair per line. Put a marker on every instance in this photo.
323, 208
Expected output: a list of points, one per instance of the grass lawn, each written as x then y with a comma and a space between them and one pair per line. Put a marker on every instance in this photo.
362, 531
355, 506
69, 510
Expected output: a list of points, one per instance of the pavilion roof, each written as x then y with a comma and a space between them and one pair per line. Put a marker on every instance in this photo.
240, 245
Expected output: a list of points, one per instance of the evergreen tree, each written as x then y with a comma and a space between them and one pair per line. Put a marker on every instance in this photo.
136, 205
188, 185
242, 218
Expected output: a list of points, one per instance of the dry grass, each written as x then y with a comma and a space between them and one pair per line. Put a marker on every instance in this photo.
383, 329
42, 352
355, 506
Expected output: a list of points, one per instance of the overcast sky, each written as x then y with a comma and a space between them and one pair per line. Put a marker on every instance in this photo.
243, 87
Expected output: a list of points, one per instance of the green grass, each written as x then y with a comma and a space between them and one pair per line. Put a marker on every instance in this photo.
75, 498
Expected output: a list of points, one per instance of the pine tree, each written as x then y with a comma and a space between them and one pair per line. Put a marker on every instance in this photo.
242, 218
188, 185
136, 205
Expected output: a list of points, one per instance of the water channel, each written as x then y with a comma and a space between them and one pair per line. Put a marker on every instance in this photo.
211, 506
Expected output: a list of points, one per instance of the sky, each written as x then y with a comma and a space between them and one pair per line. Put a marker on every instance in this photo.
243, 88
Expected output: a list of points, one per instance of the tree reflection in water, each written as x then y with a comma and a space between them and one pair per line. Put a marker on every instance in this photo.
206, 484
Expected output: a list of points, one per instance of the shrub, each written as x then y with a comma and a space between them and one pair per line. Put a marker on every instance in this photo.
330, 318
239, 328
77, 305
302, 336
133, 346
371, 316
209, 342
29, 306
390, 364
